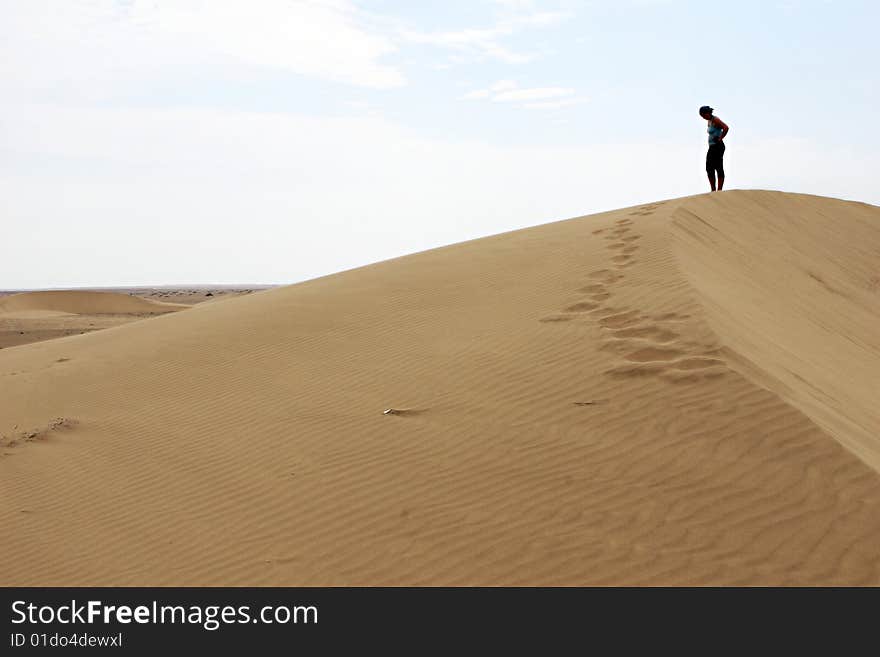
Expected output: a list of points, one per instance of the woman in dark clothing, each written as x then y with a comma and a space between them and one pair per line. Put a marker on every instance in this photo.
715, 155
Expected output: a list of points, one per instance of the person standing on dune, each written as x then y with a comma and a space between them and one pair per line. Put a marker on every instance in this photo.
715, 155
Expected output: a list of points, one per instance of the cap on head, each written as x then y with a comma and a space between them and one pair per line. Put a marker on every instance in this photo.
705, 109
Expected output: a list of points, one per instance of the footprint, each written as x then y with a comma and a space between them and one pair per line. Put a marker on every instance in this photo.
645, 210
670, 317
620, 320
590, 289
650, 354
630, 249
621, 258
692, 376
600, 231
634, 371
613, 346
617, 245
606, 275
653, 332
557, 318
697, 363
600, 297
631, 238
608, 312
582, 307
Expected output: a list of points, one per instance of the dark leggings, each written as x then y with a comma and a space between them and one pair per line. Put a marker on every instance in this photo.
715, 159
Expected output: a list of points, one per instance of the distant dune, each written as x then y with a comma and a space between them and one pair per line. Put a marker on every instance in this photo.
682, 392
81, 303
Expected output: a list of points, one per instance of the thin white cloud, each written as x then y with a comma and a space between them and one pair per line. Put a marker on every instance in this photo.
508, 91
493, 90
515, 4
477, 94
475, 43
556, 104
487, 42
540, 19
538, 93
503, 85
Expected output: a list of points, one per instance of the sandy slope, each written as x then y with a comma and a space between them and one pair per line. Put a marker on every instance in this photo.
677, 393
793, 291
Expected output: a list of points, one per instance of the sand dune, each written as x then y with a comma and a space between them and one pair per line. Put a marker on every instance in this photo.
40, 304
24, 317
675, 393
36, 316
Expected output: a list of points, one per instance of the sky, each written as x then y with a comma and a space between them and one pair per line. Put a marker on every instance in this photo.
161, 142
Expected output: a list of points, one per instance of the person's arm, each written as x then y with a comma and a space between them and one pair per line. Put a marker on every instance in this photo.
724, 128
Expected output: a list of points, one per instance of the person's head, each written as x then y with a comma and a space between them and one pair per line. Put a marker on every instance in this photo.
706, 112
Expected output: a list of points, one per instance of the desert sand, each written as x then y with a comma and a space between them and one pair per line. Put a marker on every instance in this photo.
679, 393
